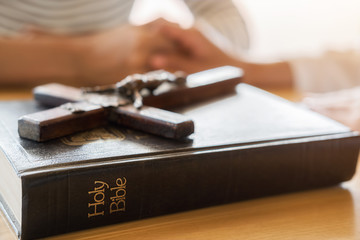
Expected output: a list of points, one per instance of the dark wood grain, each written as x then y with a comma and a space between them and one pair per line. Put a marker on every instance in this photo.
58, 122
154, 120
55, 94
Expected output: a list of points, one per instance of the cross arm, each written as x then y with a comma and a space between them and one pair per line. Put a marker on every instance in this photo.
199, 86
61, 121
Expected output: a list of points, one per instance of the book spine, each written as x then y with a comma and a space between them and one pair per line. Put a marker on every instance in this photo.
75, 199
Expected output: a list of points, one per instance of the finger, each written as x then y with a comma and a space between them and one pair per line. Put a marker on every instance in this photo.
173, 32
151, 43
187, 39
172, 62
158, 61
159, 23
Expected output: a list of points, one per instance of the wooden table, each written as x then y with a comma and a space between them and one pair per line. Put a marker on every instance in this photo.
330, 213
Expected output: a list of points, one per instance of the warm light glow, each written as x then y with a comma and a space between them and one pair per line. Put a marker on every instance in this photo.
145, 11
279, 29
283, 28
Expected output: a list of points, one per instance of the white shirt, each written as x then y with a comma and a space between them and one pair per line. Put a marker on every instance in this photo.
333, 71
335, 78
84, 16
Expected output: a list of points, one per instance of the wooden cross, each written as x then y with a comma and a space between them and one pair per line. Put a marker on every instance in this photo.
76, 111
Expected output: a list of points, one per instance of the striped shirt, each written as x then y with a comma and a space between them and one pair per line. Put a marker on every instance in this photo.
85, 16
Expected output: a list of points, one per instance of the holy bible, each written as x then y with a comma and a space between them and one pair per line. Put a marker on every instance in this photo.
247, 145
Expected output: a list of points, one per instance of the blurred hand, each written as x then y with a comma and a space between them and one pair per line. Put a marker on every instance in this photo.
194, 51
111, 55
107, 57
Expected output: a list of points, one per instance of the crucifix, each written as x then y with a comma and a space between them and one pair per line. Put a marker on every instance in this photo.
136, 102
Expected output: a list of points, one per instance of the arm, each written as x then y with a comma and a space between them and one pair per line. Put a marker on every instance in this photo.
94, 59
28, 61
268, 75
330, 72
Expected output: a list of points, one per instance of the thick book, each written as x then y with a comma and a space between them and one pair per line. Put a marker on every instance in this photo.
247, 145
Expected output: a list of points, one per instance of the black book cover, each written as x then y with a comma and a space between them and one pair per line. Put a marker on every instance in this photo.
248, 145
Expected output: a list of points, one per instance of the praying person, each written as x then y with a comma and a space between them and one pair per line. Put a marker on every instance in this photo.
88, 43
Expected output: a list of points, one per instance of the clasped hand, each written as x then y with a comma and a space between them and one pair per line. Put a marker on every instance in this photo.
105, 57
113, 54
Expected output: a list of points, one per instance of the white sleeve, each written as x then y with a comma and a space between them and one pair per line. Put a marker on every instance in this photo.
342, 105
225, 19
333, 71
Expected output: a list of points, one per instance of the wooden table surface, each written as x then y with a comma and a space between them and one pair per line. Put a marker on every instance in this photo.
330, 213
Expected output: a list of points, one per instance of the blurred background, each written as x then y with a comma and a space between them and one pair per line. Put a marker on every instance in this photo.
279, 29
